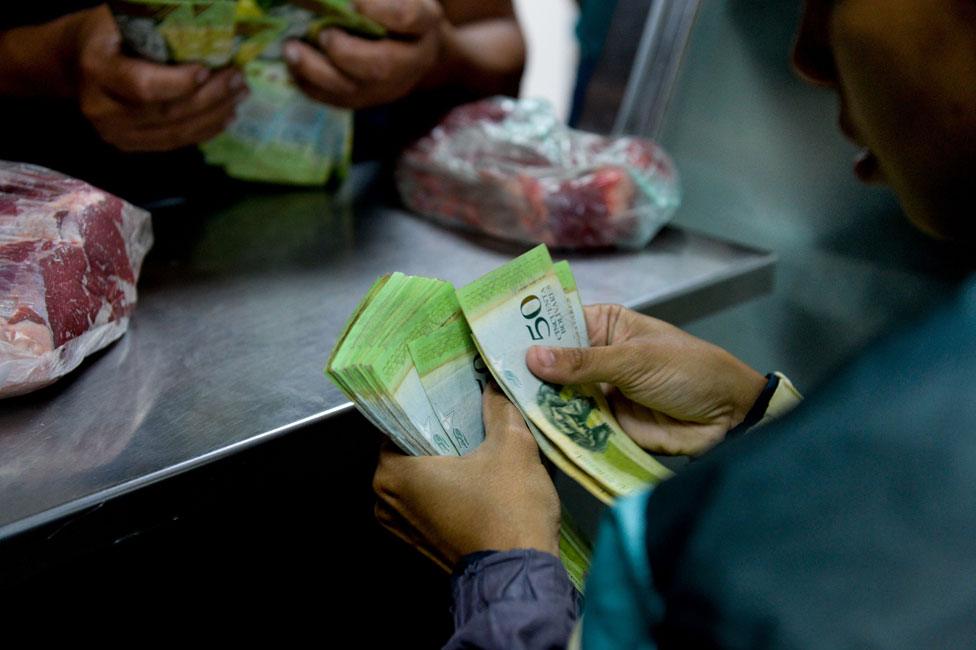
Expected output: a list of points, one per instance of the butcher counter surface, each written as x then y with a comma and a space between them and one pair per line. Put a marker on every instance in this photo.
240, 303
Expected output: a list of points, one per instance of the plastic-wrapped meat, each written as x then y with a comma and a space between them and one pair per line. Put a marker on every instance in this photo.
510, 169
70, 256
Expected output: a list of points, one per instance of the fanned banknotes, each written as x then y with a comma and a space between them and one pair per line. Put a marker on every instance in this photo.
453, 376
523, 304
372, 363
279, 136
416, 355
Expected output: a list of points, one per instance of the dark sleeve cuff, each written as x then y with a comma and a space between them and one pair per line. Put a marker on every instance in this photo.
468, 560
758, 409
512, 599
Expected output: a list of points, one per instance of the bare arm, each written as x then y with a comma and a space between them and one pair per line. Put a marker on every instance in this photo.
484, 51
40, 60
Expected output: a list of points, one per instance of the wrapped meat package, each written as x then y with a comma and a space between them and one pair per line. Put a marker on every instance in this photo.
511, 169
70, 256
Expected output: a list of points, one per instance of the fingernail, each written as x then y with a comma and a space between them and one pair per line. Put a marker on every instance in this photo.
544, 357
201, 76
290, 53
237, 81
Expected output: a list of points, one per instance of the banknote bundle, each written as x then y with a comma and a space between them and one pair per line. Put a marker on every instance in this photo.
282, 136
217, 33
417, 353
279, 136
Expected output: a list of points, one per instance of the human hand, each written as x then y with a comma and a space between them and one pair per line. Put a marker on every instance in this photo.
136, 105
353, 72
671, 392
498, 497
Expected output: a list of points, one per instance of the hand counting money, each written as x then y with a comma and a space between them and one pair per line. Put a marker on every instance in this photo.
523, 304
416, 355
279, 135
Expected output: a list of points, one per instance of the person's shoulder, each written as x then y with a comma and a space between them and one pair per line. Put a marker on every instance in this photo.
920, 372
855, 509
949, 323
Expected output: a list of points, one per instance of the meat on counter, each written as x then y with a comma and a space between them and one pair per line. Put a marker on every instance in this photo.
509, 168
70, 257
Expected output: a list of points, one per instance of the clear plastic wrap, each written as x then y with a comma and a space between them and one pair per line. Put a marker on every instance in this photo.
509, 168
70, 257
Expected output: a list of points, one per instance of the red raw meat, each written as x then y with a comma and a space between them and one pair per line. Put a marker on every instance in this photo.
510, 169
70, 255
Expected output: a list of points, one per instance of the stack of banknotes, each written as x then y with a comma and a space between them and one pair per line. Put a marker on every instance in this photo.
417, 353
279, 136
282, 136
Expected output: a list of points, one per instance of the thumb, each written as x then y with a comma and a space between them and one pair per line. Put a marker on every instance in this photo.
604, 364
140, 82
132, 80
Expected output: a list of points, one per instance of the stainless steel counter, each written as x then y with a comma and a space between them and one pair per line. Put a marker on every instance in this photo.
239, 306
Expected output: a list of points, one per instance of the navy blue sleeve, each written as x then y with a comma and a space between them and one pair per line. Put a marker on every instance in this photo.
512, 600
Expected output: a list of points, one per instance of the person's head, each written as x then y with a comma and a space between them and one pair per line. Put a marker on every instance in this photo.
905, 71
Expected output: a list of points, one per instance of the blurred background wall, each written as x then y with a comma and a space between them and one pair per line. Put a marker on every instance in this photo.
553, 52
763, 163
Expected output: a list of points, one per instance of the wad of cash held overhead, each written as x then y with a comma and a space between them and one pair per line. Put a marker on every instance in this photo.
416, 354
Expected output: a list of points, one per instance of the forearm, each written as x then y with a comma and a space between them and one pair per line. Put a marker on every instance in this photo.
41, 60
485, 57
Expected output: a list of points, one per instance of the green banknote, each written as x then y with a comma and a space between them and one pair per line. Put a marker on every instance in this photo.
415, 357
352, 383
174, 31
523, 304
371, 363
220, 32
280, 135
574, 551
454, 377
398, 376
410, 362
568, 282
407, 360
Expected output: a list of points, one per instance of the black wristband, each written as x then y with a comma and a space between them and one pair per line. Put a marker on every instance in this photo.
758, 409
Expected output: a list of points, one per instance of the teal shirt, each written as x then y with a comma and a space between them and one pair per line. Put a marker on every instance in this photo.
849, 523
621, 603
